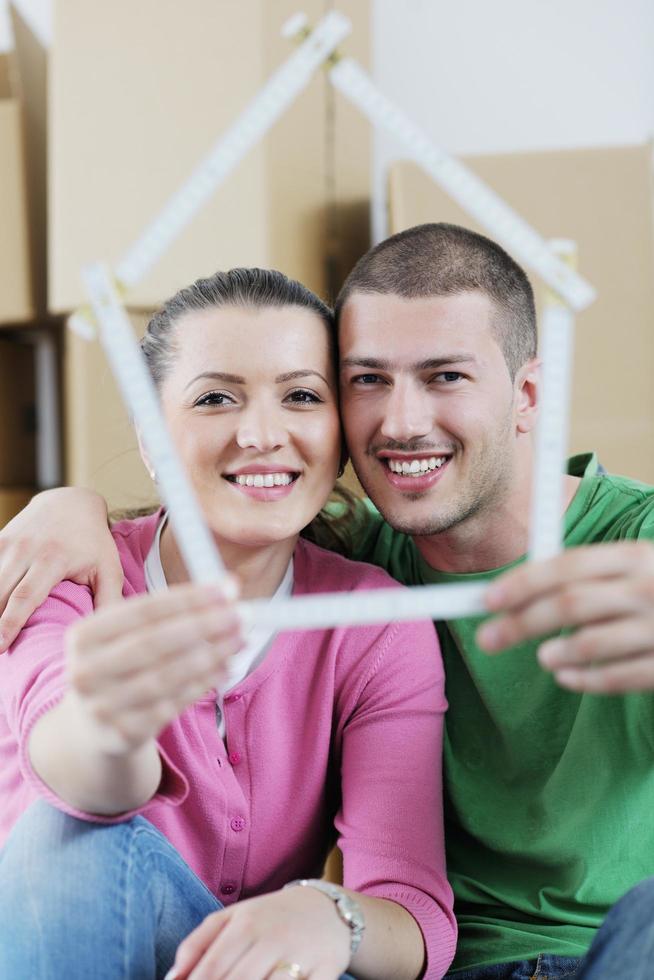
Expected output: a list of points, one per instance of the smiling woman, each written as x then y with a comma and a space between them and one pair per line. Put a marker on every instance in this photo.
173, 797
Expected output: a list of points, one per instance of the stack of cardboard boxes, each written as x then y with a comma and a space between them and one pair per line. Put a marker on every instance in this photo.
137, 94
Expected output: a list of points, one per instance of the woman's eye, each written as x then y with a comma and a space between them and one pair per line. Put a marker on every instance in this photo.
303, 397
215, 398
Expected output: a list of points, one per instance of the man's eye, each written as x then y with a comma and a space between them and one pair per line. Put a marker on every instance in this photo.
215, 398
303, 397
366, 379
449, 376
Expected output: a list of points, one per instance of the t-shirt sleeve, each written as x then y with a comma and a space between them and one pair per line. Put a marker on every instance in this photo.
33, 680
390, 823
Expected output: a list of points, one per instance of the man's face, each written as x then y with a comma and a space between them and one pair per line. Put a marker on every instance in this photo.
429, 407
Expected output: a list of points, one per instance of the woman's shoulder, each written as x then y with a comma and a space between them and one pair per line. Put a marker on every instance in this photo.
318, 570
134, 538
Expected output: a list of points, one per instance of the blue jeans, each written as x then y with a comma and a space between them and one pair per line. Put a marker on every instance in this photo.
623, 949
94, 902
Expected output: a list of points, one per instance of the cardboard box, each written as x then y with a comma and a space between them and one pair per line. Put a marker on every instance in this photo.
602, 199
101, 451
11, 501
121, 142
17, 415
16, 301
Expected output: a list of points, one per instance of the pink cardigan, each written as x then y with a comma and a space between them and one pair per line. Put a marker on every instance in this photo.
335, 729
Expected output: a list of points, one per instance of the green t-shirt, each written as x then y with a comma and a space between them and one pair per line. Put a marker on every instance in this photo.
549, 794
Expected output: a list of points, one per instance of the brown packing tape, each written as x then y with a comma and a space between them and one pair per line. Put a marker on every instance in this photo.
601, 198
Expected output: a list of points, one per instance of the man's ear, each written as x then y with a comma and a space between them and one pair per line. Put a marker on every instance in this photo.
527, 395
144, 456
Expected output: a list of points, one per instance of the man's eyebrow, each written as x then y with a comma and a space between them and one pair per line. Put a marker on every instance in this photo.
381, 364
235, 379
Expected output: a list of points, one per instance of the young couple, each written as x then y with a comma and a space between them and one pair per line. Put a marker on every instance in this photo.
548, 782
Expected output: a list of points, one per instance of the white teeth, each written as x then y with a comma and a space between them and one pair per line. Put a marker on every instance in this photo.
416, 467
263, 479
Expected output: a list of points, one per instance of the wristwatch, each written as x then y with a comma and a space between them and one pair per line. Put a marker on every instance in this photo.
349, 910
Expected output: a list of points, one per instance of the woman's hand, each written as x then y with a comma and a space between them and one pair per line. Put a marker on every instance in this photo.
261, 938
61, 534
134, 667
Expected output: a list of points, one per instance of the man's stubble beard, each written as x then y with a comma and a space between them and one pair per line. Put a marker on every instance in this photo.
493, 475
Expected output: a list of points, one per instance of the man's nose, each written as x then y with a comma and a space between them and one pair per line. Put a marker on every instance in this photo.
408, 413
261, 428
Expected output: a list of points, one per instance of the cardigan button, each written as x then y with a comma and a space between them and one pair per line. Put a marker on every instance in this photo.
237, 824
228, 888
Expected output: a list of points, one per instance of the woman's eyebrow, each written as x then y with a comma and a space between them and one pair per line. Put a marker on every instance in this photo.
233, 379
291, 375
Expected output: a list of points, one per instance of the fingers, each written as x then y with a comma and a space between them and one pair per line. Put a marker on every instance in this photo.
521, 585
21, 599
136, 666
107, 582
617, 677
191, 950
94, 662
599, 643
573, 605
107, 625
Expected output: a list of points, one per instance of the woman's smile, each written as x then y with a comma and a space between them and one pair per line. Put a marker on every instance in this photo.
251, 402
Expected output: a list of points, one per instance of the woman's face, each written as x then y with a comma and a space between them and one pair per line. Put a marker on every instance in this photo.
251, 403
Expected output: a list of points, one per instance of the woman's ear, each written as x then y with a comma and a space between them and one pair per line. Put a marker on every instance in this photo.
144, 456
527, 395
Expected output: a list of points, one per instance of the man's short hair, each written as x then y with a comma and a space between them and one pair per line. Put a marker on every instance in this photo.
442, 260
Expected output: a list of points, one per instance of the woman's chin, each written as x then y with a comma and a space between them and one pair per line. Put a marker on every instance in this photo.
256, 537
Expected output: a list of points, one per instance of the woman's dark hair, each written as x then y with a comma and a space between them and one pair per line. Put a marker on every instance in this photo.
249, 288
254, 289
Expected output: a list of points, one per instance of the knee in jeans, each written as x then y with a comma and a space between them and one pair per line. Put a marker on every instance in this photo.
40, 822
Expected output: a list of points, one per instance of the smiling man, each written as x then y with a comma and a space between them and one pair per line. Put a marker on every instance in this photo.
549, 787
549, 783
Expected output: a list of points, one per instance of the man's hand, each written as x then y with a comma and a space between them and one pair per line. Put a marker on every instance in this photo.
61, 534
604, 593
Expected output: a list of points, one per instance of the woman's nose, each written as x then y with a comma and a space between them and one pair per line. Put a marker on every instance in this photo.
261, 428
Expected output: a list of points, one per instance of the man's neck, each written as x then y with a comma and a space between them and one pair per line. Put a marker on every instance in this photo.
487, 540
